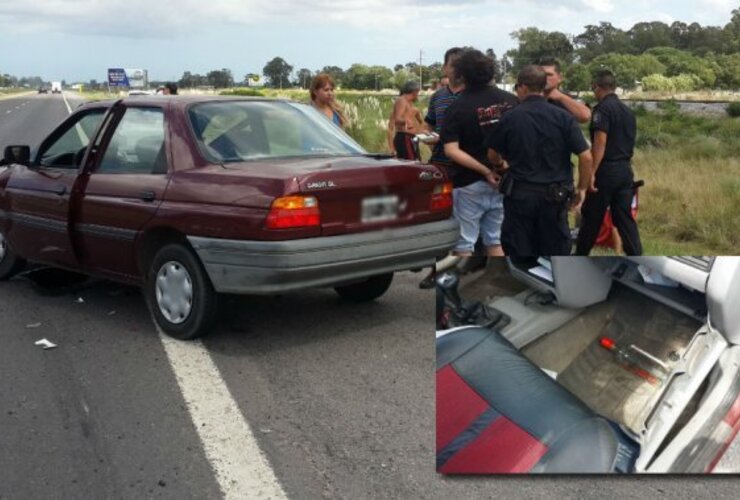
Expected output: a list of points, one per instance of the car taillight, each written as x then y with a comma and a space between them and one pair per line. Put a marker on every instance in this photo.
441, 197
293, 211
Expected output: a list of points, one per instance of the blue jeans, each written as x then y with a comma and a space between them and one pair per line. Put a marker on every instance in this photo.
479, 208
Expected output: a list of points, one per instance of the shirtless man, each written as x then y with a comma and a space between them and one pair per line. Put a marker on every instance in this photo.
407, 122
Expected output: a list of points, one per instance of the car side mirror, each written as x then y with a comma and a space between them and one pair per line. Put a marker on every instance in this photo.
17, 154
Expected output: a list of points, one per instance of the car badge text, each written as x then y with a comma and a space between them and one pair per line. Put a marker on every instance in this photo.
321, 185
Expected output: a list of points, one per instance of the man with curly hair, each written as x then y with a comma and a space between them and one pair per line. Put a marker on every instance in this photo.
478, 206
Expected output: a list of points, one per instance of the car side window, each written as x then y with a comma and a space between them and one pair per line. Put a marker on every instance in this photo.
137, 144
64, 152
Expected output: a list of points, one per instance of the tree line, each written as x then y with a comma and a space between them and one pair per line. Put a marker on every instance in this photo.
674, 57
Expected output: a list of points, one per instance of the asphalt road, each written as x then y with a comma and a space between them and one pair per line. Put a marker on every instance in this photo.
338, 398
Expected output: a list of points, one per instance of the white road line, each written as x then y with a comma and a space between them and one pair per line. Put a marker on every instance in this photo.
9, 111
67, 104
242, 470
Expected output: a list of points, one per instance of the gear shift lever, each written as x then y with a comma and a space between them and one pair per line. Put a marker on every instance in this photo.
448, 283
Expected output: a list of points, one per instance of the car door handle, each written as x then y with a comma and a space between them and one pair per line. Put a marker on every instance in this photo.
61, 190
147, 195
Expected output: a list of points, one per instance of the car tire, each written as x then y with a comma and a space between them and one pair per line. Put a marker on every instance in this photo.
179, 293
10, 263
365, 291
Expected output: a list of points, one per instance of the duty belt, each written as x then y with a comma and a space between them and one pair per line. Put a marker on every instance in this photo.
556, 192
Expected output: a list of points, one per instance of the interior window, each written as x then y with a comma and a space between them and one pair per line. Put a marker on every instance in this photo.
67, 149
236, 131
137, 144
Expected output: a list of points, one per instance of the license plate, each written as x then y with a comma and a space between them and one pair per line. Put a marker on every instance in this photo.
380, 208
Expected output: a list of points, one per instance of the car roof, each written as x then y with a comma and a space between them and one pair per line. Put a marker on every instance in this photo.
179, 101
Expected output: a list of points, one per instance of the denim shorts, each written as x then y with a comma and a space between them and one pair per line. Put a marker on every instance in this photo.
479, 208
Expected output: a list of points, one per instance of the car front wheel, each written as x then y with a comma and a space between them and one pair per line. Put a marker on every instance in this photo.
10, 263
179, 293
364, 291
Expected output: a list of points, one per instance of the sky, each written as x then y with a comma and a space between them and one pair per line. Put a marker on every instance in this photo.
77, 40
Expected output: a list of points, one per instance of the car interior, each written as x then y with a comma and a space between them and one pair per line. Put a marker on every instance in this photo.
628, 350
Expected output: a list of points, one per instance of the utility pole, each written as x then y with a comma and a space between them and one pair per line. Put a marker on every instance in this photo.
421, 83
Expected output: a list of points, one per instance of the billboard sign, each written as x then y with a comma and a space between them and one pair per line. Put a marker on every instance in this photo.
126, 77
255, 80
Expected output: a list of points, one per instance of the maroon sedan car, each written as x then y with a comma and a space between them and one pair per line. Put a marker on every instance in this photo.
194, 196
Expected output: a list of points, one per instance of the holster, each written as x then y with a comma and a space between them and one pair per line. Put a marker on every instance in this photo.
506, 186
559, 193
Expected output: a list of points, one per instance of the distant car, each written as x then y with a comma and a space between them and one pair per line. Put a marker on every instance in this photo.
43, 90
194, 196
591, 365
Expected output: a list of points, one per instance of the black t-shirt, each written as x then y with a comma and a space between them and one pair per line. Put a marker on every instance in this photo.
468, 121
537, 139
618, 121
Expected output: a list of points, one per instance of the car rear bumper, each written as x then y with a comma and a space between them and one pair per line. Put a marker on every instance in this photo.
267, 267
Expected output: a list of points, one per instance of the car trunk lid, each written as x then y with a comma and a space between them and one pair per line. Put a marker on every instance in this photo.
359, 194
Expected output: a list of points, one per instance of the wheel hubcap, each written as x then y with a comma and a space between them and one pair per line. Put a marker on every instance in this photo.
174, 290
2, 247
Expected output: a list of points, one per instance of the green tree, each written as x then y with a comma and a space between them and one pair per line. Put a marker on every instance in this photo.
645, 36
728, 70
678, 62
400, 77
627, 68
336, 73
220, 78
601, 39
535, 44
303, 78
577, 78
277, 72
497, 74
362, 77
187, 80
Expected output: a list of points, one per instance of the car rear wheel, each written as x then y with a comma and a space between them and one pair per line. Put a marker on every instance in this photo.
180, 294
364, 291
10, 263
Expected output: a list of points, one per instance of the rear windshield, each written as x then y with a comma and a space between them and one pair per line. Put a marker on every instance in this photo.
235, 131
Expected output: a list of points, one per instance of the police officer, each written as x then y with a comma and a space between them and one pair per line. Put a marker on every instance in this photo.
613, 130
557, 97
536, 139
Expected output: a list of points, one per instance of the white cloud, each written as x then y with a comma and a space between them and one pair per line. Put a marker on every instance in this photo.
599, 5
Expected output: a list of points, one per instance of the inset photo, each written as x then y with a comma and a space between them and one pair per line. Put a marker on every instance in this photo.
589, 365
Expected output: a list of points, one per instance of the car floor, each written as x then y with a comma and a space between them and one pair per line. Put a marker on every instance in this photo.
593, 373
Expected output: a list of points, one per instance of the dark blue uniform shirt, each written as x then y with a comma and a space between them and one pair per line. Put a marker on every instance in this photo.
537, 139
618, 121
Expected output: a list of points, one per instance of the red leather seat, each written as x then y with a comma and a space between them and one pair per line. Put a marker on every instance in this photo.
499, 413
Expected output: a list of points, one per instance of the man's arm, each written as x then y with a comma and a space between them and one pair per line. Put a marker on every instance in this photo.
598, 148
399, 120
389, 136
578, 109
463, 159
497, 161
585, 179
419, 124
